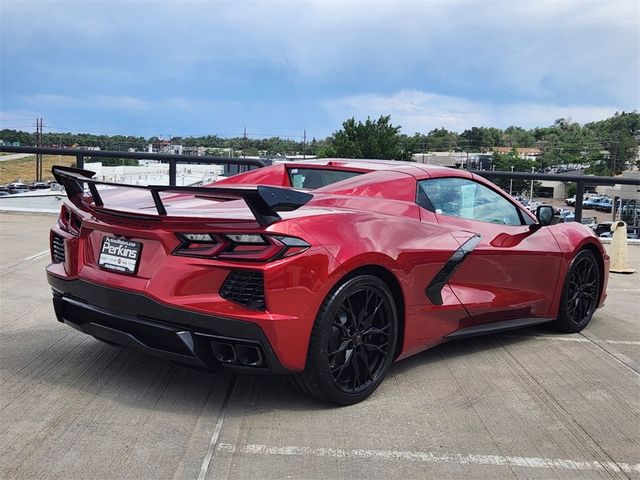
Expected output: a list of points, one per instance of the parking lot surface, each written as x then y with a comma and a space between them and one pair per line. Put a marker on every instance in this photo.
527, 404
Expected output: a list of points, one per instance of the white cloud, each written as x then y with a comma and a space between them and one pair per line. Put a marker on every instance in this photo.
418, 111
455, 63
106, 102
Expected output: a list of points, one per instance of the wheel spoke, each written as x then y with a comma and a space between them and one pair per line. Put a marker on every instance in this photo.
347, 358
377, 331
372, 346
355, 367
353, 318
340, 324
343, 348
369, 320
364, 358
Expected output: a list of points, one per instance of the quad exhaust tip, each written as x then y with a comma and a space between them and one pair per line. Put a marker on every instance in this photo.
238, 354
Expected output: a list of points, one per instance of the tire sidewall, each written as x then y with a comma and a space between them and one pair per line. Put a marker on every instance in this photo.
565, 322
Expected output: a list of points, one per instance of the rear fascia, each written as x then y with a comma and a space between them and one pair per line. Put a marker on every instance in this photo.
186, 286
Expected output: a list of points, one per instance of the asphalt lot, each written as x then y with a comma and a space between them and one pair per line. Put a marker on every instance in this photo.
530, 404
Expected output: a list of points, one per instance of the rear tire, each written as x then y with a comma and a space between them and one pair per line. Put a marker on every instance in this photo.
580, 293
352, 344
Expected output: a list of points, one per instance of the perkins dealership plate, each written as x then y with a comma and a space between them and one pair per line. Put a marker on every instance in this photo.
119, 255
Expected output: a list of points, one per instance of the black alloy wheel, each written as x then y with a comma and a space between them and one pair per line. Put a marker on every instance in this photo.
353, 342
580, 294
359, 339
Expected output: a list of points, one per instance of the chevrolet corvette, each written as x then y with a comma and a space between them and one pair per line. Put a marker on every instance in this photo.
327, 271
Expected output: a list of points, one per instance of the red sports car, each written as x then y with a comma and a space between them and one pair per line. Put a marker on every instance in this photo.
325, 270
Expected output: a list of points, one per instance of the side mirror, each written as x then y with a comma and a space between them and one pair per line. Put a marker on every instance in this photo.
544, 214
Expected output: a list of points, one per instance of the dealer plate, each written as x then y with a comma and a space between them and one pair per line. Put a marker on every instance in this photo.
119, 255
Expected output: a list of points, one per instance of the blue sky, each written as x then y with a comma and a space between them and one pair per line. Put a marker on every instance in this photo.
278, 67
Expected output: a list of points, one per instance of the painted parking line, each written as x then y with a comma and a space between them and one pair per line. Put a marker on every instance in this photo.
37, 255
6, 269
431, 457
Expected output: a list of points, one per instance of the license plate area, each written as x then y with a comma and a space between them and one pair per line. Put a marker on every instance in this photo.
119, 255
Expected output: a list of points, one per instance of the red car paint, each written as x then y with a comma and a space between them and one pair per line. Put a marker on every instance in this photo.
371, 220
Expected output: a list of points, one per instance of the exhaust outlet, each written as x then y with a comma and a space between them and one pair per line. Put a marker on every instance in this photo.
249, 355
224, 352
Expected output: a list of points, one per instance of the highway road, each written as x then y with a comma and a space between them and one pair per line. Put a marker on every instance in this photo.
529, 404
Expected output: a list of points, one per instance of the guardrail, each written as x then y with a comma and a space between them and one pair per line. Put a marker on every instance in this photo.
169, 158
581, 182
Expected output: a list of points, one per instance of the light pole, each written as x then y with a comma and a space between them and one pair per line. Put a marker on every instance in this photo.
511, 182
533, 169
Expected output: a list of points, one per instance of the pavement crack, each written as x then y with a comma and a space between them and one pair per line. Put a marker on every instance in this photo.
563, 416
213, 443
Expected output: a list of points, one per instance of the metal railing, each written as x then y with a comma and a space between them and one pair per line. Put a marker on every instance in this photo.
581, 181
169, 158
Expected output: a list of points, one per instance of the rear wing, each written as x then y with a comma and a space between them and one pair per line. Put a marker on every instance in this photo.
264, 201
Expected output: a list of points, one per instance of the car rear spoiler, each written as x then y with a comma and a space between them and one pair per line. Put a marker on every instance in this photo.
264, 201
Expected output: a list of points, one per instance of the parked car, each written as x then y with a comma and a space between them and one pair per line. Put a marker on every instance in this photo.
571, 201
591, 222
633, 233
605, 205
593, 202
533, 206
364, 264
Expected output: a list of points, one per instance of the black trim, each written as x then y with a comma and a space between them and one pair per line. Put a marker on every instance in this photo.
495, 327
263, 201
136, 321
245, 287
423, 199
434, 289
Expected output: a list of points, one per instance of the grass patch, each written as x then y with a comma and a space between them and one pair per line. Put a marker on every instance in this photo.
24, 169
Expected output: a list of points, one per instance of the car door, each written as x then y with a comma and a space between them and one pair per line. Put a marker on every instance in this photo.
510, 270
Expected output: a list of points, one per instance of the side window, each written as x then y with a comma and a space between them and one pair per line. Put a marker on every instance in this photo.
459, 197
313, 178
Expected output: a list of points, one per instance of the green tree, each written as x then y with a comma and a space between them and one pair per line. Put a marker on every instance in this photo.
371, 139
438, 140
478, 138
618, 136
518, 137
504, 162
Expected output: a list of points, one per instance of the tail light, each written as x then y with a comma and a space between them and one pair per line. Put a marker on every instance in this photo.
69, 221
239, 246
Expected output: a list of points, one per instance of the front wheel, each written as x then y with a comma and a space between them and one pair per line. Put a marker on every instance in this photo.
352, 343
580, 293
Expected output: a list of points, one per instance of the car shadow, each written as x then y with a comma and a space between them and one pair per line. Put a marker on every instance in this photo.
84, 364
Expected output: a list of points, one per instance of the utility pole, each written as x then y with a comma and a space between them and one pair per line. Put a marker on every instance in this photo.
511, 182
244, 143
38, 144
304, 144
533, 169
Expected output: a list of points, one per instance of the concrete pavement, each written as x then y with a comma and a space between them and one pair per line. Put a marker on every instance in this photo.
528, 404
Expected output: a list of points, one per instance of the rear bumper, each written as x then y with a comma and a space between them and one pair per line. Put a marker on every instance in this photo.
136, 321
